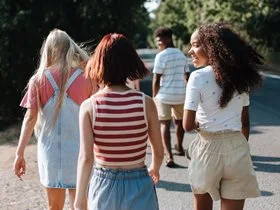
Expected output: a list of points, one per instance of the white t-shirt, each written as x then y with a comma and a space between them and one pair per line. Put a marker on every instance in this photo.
171, 63
202, 96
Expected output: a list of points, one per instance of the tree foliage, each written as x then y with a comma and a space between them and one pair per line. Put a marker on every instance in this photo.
171, 14
262, 23
25, 23
257, 20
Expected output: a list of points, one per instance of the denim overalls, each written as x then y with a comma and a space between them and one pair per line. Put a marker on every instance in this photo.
58, 145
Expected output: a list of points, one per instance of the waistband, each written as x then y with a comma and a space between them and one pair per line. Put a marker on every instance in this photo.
219, 134
110, 173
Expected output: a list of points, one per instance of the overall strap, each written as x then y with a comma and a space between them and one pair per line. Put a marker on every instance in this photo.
72, 78
51, 80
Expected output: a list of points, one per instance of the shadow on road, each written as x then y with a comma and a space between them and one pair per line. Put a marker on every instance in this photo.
255, 131
265, 159
266, 193
261, 164
178, 166
174, 186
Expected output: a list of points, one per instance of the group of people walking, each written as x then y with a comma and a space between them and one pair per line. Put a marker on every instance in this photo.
93, 129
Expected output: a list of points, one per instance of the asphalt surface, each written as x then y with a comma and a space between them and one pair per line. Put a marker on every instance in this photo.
174, 191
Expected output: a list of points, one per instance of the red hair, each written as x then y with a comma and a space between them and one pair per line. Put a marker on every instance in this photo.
114, 61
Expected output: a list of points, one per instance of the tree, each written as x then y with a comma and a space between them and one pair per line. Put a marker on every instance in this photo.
263, 24
24, 25
256, 20
171, 14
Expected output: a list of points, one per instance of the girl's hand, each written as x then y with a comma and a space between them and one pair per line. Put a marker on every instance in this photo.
19, 166
154, 174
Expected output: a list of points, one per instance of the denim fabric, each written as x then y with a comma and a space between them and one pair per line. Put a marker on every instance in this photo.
118, 189
58, 145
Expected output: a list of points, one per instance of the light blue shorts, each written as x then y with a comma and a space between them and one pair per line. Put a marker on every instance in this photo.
118, 189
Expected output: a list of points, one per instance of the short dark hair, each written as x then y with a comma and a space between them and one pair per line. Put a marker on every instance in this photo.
163, 32
114, 61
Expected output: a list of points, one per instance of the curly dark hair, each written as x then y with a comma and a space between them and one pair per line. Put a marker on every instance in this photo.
234, 61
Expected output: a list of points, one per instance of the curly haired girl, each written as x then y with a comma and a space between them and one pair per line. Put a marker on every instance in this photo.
217, 106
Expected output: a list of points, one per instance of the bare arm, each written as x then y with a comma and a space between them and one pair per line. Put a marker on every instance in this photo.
155, 139
189, 122
156, 81
245, 122
28, 124
85, 161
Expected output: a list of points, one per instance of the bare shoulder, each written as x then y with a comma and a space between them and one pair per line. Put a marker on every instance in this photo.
86, 106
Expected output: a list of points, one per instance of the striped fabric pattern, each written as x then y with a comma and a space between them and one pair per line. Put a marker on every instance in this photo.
172, 64
120, 128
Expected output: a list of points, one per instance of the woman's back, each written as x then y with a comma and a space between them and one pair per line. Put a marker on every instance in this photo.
58, 137
120, 128
79, 90
203, 95
114, 130
53, 100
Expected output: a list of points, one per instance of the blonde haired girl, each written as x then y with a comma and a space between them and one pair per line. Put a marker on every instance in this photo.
53, 98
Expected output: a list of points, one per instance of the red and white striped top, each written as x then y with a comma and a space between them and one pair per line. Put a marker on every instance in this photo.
120, 128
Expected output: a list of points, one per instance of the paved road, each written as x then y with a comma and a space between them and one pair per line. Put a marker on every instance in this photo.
174, 192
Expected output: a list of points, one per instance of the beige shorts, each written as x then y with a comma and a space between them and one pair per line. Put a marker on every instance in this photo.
167, 111
221, 165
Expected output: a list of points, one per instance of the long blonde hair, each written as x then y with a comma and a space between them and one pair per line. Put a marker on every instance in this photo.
61, 52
